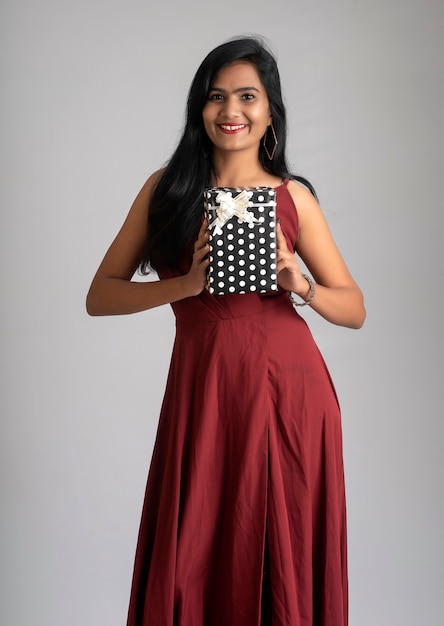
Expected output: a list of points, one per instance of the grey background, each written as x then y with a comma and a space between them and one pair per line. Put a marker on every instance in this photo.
92, 102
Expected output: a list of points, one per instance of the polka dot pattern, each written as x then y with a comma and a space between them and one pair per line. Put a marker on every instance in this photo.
243, 256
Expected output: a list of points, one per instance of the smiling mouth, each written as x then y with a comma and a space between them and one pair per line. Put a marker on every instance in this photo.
231, 128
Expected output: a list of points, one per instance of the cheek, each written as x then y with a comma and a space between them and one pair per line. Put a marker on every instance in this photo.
261, 115
205, 119
206, 124
207, 116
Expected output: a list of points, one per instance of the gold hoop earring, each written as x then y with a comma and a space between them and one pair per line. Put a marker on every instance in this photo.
271, 154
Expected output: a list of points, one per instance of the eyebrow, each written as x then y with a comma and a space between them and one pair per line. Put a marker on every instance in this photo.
219, 89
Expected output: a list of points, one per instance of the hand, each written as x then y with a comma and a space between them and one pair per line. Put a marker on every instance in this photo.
289, 273
196, 277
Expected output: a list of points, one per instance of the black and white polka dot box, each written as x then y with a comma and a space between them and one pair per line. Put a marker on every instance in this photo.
242, 226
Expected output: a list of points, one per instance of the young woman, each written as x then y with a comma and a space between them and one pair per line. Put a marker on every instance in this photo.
244, 516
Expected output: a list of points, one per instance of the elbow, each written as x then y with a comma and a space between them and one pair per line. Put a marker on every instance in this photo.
351, 311
354, 313
92, 306
359, 318
358, 323
90, 309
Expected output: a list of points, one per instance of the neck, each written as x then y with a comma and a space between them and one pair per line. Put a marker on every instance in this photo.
237, 169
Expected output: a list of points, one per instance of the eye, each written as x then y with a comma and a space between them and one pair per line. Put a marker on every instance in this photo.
215, 97
248, 96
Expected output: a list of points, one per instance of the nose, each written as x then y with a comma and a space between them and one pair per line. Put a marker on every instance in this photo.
231, 107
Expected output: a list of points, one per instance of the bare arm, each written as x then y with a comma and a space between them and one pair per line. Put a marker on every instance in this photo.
338, 298
113, 292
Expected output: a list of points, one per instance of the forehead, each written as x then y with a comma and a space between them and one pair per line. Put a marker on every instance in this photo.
238, 74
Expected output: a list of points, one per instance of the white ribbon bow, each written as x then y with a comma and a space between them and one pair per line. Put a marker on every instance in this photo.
230, 206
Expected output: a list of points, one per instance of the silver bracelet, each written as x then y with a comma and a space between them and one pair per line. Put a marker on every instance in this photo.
311, 282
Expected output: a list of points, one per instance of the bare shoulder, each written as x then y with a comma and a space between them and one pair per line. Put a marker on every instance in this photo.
123, 255
136, 220
141, 203
306, 204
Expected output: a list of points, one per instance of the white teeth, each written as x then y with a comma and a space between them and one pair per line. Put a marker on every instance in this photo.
225, 127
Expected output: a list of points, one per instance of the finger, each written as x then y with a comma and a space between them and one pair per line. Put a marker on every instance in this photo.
203, 227
202, 243
281, 241
283, 254
201, 253
281, 265
203, 236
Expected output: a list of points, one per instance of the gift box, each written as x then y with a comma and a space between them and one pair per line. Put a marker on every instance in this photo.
242, 227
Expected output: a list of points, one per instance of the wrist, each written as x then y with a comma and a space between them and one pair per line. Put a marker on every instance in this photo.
188, 286
307, 296
185, 287
304, 293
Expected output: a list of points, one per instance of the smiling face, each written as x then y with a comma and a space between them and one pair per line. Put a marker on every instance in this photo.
237, 111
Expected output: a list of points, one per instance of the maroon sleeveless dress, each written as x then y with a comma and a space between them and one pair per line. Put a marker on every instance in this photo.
244, 515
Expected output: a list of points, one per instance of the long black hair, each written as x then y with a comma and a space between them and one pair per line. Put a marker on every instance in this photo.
176, 205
